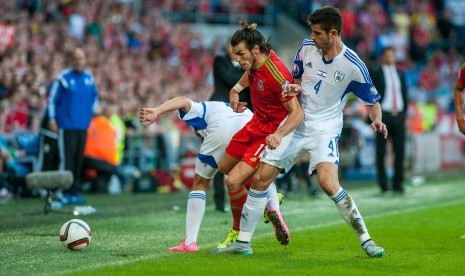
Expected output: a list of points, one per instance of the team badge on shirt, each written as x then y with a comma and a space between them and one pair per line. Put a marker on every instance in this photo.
295, 70
260, 85
373, 91
338, 76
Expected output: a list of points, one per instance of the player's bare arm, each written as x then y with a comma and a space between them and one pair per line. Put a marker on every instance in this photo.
458, 102
243, 83
149, 115
293, 120
374, 111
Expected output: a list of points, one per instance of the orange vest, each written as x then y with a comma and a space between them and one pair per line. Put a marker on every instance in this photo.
101, 140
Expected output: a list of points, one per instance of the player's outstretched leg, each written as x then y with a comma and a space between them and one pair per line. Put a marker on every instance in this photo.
350, 213
194, 216
280, 228
237, 247
182, 247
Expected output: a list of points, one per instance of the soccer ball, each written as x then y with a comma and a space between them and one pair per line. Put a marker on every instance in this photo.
75, 234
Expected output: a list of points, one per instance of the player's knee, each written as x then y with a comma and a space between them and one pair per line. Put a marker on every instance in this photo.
260, 182
232, 183
329, 186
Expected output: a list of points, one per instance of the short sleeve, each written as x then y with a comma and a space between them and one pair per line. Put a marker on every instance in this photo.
197, 111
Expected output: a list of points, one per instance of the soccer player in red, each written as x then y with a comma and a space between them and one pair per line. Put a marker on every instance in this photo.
266, 76
458, 99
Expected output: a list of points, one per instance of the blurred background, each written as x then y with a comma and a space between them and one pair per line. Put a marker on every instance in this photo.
145, 52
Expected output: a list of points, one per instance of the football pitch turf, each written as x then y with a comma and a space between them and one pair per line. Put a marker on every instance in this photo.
131, 233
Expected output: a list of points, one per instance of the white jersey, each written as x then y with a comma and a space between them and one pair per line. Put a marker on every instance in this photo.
216, 122
203, 114
326, 86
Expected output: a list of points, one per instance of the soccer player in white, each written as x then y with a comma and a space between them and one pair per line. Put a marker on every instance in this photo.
215, 123
327, 72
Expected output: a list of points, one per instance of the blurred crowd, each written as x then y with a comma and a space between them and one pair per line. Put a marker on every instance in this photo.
428, 36
136, 59
139, 57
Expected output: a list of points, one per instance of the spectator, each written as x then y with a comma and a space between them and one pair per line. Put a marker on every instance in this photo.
393, 90
72, 100
101, 151
7, 36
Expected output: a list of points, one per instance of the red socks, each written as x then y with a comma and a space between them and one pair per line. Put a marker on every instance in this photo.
237, 200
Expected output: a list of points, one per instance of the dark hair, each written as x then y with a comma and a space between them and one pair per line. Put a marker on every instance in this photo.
328, 18
251, 37
387, 48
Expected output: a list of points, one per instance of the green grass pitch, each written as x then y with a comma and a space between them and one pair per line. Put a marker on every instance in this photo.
131, 233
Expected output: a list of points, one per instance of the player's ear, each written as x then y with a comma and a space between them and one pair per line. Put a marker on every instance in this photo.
256, 50
334, 32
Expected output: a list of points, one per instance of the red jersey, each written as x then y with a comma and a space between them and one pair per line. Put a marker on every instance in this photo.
266, 84
461, 78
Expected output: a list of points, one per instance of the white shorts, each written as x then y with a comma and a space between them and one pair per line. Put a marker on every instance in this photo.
214, 145
322, 147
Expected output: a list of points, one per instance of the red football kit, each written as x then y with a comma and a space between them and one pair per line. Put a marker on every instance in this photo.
265, 84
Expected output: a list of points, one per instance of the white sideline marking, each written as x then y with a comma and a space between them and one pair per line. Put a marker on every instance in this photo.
295, 229
462, 237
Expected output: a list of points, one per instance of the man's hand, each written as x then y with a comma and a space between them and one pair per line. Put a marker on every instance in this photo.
273, 140
241, 107
289, 90
234, 100
148, 116
461, 124
378, 126
52, 126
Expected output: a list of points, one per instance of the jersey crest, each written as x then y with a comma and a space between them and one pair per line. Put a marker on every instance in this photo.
295, 70
338, 76
260, 85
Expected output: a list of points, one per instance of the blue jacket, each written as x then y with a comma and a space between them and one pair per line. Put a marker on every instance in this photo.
73, 99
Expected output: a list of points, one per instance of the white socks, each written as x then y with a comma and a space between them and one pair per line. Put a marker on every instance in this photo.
251, 214
195, 211
349, 212
273, 201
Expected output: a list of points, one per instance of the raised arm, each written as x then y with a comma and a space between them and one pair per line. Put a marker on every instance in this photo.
149, 115
374, 111
293, 120
458, 102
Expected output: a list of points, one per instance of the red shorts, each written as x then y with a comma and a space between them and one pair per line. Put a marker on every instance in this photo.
248, 144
